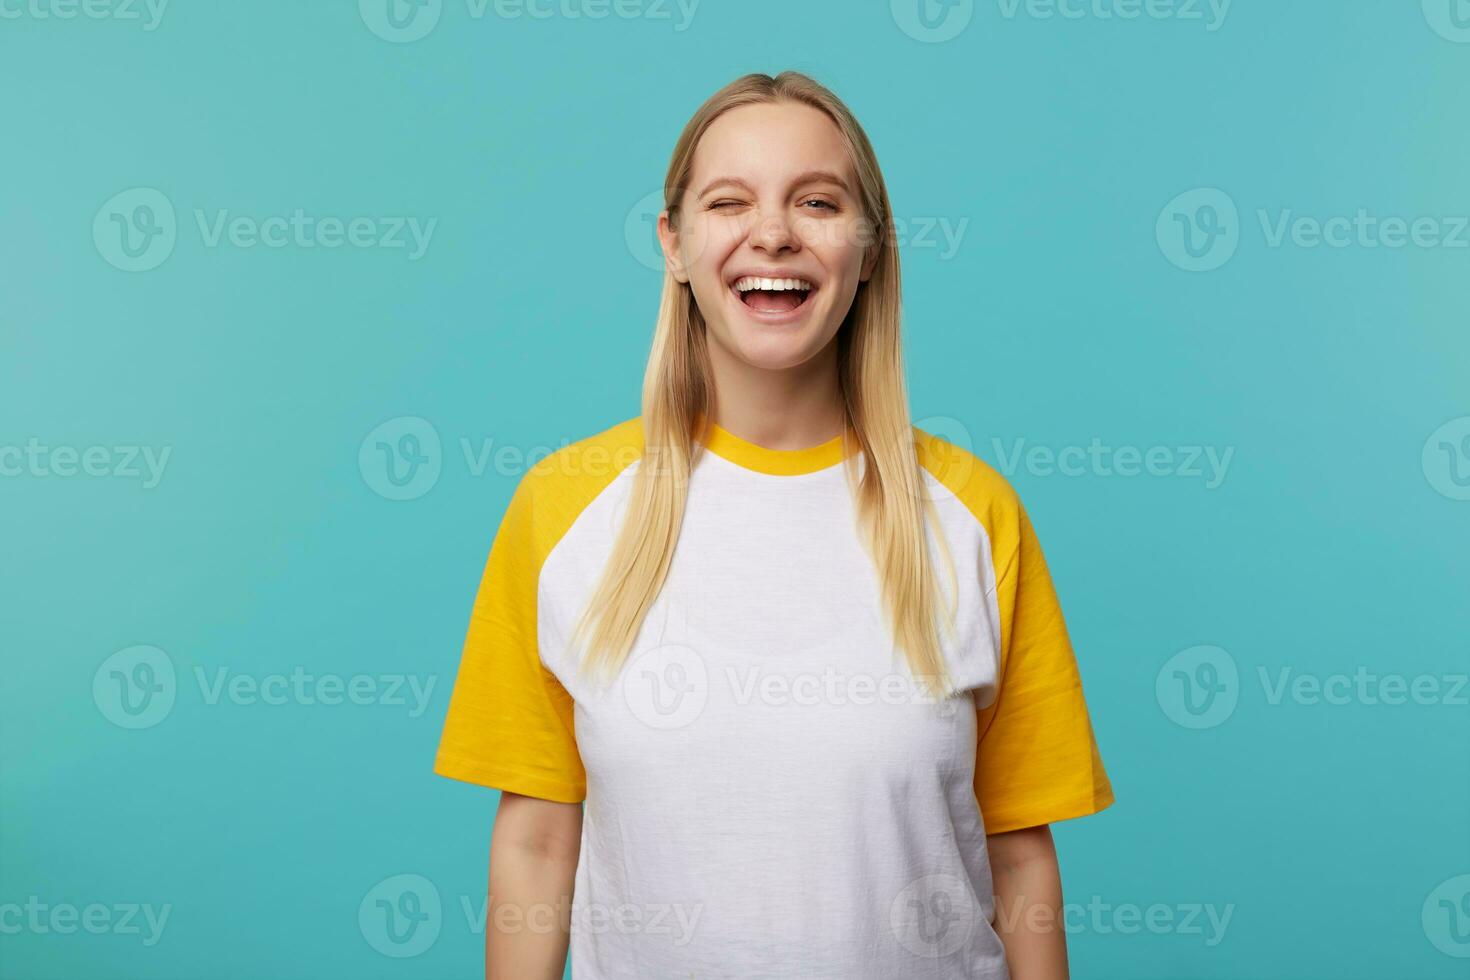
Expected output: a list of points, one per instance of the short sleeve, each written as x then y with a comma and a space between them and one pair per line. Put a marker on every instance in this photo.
510, 722
1037, 760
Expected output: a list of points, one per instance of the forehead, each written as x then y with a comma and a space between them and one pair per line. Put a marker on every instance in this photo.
769, 144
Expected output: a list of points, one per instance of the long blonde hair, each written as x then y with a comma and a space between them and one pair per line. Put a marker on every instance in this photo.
892, 501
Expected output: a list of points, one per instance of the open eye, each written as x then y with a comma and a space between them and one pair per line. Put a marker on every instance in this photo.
821, 204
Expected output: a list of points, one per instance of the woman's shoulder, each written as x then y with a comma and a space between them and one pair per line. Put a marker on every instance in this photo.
977, 484
559, 485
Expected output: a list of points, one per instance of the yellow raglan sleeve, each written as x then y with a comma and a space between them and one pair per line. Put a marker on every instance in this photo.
510, 723
1037, 760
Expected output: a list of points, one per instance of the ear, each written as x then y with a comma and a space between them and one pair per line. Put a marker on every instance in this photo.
668, 241
870, 261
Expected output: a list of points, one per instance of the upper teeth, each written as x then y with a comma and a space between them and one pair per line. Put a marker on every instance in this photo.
747, 283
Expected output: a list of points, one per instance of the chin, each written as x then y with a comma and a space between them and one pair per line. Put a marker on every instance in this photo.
773, 350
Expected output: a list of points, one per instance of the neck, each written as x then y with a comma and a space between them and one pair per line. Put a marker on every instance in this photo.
788, 408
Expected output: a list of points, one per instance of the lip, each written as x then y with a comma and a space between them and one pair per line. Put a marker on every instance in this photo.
773, 318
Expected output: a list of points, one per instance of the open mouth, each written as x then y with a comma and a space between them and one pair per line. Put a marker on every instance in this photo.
772, 295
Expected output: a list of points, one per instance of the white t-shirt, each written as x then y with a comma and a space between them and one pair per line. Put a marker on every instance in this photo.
768, 792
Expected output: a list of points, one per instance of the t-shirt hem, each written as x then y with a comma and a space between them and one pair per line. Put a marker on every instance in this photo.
1049, 813
494, 777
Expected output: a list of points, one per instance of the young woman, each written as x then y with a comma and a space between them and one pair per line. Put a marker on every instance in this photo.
801, 661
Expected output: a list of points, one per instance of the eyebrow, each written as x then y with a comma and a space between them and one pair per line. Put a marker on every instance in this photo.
808, 177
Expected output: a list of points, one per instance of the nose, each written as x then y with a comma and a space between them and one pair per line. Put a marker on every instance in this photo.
773, 232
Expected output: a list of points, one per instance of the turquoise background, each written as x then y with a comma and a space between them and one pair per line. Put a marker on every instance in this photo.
1335, 834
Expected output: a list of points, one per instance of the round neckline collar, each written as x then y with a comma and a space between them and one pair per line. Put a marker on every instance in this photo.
763, 459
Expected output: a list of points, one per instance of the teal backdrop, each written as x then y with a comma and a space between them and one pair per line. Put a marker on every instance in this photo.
292, 292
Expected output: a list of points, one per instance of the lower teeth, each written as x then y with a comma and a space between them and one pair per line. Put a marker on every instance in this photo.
746, 297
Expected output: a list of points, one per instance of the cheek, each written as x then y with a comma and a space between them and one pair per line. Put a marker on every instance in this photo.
839, 245
709, 248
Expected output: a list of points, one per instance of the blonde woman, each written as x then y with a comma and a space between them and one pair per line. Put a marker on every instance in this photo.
772, 682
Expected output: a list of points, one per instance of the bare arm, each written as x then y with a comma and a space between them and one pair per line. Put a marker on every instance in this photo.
1028, 903
533, 865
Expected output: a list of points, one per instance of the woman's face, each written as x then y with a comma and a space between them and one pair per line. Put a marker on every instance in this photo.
771, 196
